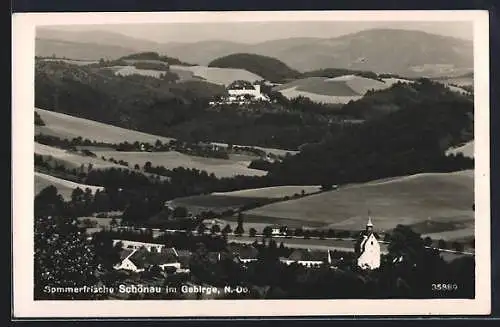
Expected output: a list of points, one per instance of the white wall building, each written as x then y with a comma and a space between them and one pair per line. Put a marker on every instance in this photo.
368, 249
254, 92
143, 258
134, 245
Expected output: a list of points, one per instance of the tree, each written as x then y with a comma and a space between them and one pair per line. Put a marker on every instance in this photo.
147, 166
63, 256
113, 223
215, 229
267, 231
406, 243
227, 230
326, 187
180, 212
137, 167
457, 246
239, 229
77, 195
427, 241
201, 229
155, 271
252, 232
442, 244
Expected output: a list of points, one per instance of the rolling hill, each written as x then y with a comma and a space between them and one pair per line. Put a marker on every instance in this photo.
71, 160
435, 198
340, 89
69, 127
172, 159
79, 50
221, 76
97, 37
64, 187
269, 68
412, 53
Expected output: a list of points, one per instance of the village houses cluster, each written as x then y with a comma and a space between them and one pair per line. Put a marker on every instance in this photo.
139, 256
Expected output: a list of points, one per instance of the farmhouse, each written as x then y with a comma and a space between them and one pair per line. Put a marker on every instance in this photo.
134, 245
243, 253
241, 92
367, 248
142, 259
278, 230
308, 258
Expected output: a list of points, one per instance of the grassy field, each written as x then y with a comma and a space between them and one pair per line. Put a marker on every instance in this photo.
223, 76
277, 152
69, 127
320, 98
459, 81
331, 90
64, 187
216, 203
340, 89
73, 61
131, 70
467, 150
70, 159
446, 197
220, 202
274, 192
173, 159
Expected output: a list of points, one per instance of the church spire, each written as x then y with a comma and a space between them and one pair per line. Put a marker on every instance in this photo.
369, 224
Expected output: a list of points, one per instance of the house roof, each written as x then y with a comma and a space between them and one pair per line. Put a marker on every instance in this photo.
125, 253
244, 251
359, 247
142, 258
308, 255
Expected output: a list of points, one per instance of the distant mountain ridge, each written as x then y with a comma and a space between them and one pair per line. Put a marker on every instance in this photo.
404, 52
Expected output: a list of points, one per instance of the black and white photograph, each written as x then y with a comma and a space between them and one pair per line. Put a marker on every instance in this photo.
235, 158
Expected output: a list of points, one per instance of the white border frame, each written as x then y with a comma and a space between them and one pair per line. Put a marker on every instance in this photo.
23, 37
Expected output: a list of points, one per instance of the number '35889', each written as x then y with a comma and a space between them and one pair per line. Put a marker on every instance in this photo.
444, 287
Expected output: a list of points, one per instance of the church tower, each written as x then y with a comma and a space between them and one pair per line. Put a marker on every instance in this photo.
368, 248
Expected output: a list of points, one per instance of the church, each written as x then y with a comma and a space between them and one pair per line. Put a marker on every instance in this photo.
368, 248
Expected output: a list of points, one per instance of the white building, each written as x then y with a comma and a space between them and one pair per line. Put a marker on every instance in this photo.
134, 245
142, 259
368, 249
252, 91
308, 258
241, 92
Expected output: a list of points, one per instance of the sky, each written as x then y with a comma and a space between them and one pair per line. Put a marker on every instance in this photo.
254, 32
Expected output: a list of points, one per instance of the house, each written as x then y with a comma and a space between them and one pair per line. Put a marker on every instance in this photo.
142, 259
243, 253
246, 90
241, 92
367, 248
134, 245
308, 258
278, 230
184, 258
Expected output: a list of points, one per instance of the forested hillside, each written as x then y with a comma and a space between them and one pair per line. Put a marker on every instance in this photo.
401, 95
269, 68
411, 140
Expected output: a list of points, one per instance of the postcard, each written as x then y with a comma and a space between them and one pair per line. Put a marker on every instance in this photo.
244, 164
